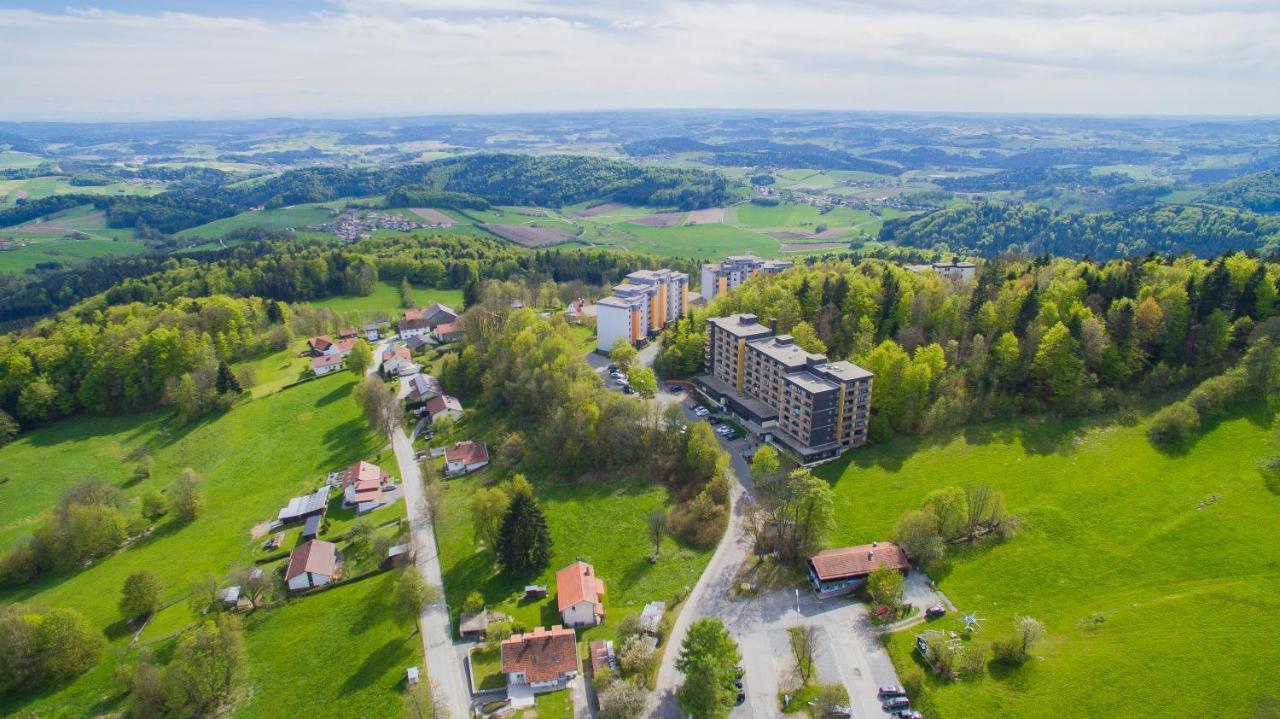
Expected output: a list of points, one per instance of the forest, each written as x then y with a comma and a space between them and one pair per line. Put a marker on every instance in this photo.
992, 228
1029, 336
1258, 192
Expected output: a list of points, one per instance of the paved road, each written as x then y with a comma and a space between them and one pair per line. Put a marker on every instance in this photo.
444, 669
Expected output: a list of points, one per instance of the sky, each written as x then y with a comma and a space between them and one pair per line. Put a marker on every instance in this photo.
218, 59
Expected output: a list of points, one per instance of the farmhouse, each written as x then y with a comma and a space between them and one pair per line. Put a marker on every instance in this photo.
444, 404
839, 571
347, 333
362, 485
543, 660
417, 344
370, 332
299, 508
396, 360
413, 324
321, 345
578, 593
345, 346
438, 314
465, 456
326, 364
448, 332
312, 564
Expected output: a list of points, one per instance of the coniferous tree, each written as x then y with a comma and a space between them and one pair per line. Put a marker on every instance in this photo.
524, 542
227, 381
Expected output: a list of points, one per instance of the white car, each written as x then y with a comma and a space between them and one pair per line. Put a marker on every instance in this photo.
616, 375
701, 411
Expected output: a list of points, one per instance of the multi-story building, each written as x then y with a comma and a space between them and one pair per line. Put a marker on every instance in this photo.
641, 306
720, 277
953, 270
799, 399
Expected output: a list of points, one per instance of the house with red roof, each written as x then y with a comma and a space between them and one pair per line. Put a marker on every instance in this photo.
326, 364
543, 660
321, 345
465, 456
362, 485
839, 571
448, 332
312, 564
580, 595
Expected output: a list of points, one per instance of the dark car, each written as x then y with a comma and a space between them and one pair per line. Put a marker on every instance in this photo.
626, 389
892, 691
714, 419
675, 388
612, 368
896, 703
742, 697
908, 714
935, 611
838, 713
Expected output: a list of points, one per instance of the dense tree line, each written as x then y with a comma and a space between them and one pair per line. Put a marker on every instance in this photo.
1028, 335
1023, 178
923, 157
760, 153
1258, 192
28, 210
422, 196
991, 228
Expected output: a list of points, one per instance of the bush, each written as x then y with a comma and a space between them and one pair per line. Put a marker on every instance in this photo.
1173, 424
154, 505
700, 522
38, 649
140, 595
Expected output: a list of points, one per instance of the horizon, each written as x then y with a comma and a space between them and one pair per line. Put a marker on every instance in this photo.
148, 60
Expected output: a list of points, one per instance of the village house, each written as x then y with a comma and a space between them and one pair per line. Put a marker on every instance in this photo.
322, 345
417, 344
422, 387
839, 571
438, 314
465, 456
396, 360
362, 485
345, 346
579, 311
578, 595
347, 333
299, 508
327, 364
370, 332
448, 332
444, 404
312, 564
413, 324
543, 660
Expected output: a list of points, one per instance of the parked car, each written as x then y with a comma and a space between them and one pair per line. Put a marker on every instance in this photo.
421, 455
892, 691
896, 703
626, 389
908, 714
714, 420
732, 435
701, 411
742, 698
838, 713
616, 375
935, 611
612, 368
388, 487
675, 388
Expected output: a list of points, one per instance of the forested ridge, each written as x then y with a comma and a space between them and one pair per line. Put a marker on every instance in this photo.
1027, 336
992, 228
1258, 192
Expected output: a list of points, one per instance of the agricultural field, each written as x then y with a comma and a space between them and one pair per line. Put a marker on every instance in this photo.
73, 235
252, 459
38, 187
1140, 563
298, 216
578, 515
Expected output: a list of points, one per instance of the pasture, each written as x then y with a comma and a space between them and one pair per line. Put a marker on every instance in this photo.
297, 217
385, 300
252, 459
66, 237
1140, 563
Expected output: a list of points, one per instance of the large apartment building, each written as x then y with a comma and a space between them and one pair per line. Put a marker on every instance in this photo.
641, 306
720, 277
799, 399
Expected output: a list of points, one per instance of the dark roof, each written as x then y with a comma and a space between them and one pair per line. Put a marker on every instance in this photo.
312, 527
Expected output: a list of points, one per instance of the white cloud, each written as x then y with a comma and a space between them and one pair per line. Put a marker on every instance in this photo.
390, 57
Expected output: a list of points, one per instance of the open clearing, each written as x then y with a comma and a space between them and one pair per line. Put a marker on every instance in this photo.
813, 246
1140, 563
252, 459
433, 216
600, 209
531, 236
384, 302
661, 219
711, 215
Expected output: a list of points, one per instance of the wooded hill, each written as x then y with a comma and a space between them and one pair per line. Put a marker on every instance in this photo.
1259, 192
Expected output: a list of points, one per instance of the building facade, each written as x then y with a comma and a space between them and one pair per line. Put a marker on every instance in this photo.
641, 307
799, 399
720, 277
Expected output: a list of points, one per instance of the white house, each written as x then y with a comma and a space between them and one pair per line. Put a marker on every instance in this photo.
413, 324
578, 595
423, 387
544, 660
444, 404
395, 359
321, 345
327, 364
312, 564
465, 456
370, 332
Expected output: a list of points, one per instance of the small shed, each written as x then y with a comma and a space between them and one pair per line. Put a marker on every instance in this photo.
411, 676
312, 526
399, 555
474, 626
535, 591
602, 656
651, 617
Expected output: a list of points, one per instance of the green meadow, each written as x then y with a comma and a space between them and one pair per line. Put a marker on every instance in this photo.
49, 240
602, 522
385, 299
1142, 564
298, 216
252, 459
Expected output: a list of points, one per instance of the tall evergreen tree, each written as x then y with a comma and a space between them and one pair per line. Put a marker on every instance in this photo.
524, 542
227, 381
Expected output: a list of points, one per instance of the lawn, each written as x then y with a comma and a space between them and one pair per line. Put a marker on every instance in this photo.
298, 216
1143, 565
581, 516
386, 300
56, 246
252, 459
339, 653
708, 241
486, 669
273, 371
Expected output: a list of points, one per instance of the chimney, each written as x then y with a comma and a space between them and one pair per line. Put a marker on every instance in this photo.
773, 325
870, 555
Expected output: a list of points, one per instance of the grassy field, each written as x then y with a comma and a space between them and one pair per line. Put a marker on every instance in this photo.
49, 241
252, 459
579, 515
298, 216
386, 299
1157, 575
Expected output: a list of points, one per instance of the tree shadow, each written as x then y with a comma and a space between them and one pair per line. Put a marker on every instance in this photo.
393, 653
344, 390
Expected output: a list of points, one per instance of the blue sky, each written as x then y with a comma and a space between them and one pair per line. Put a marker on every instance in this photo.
147, 59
